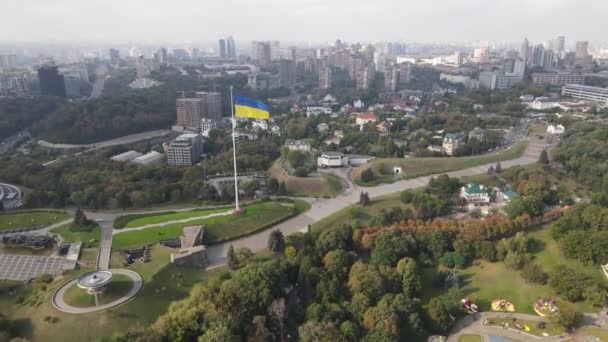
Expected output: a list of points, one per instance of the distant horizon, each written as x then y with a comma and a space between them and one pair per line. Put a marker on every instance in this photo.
113, 21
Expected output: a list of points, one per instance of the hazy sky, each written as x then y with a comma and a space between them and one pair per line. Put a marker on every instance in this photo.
302, 20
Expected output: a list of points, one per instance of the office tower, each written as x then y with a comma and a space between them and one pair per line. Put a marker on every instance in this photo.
163, 55
114, 56
51, 82
275, 50
310, 64
287, 73
263, 54
380, 61
391, 75
582, 49
211, 108
537, 55
583, 92
189, 113
325, 77
230, 47
560, 44
292, 54
180, 53
222, 48
482, 55
524, 50
549, 60
185, 150
557, 78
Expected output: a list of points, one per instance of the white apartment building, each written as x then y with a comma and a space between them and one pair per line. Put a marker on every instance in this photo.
578, 91
185, 150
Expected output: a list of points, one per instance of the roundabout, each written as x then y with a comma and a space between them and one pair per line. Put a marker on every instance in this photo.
97, 290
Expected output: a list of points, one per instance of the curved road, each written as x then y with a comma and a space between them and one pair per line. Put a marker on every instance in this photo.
61, 305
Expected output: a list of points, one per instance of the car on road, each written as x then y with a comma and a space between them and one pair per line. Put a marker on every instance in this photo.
99, 220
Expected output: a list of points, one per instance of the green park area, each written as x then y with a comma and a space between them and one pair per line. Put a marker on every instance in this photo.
485, 281
325, 185
360, 216
417, 167
536, 328
89, 235
116, 289
30, 304
31, 219
255, 217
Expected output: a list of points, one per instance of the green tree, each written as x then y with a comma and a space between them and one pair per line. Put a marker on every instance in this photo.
533, 273
498, 168
367, 175
231, 258
390, 245
411, 283
568, 318
80, 218
276, 241
439, 315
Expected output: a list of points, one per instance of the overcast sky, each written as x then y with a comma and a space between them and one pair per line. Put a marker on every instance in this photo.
302, 20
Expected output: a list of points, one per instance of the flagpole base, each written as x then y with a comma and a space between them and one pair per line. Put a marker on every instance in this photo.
237, 211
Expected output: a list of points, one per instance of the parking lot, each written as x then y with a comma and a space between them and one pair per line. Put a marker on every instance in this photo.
25, 267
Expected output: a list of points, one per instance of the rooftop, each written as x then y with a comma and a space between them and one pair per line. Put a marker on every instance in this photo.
474, 188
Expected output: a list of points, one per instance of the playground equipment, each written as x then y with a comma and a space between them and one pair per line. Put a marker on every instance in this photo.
502, 305
544, 307
468, 306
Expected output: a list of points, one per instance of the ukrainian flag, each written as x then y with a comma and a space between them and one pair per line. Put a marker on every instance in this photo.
246, 107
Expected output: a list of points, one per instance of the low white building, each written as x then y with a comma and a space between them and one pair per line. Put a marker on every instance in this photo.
125, 157
322, 127
558, 129
148, 158
475, 193
339, 159
298, 145
260, 124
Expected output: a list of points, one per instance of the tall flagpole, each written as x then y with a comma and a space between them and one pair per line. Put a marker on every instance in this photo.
236, 182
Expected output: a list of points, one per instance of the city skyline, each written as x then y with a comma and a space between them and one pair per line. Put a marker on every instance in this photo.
308, 20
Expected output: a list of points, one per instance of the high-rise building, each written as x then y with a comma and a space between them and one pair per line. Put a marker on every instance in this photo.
263, 54
230, 47
287, 73
365, 76
549, 60
189, 113
536, 58
293, 54
524, 50
582, 49
310, 64
222, 51
51, 81
211, 106
391, 74
114, 56
482, 55
404, 72
560, 44
325, 77
558, 78
185, 150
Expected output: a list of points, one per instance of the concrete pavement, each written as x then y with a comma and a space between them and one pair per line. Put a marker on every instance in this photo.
61, 305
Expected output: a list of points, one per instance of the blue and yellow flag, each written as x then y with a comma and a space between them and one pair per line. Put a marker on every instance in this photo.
246, 107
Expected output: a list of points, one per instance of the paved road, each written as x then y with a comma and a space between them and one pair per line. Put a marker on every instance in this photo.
322, 207
61, 305
128, 139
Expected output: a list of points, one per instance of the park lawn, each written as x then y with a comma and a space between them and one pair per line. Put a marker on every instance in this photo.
551, 329
90, 238
469, 338
31, 219
163, 283
160, 218
364, 213
487, 281
324, 186
550, 256
417, 167
117, 288
219, 228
